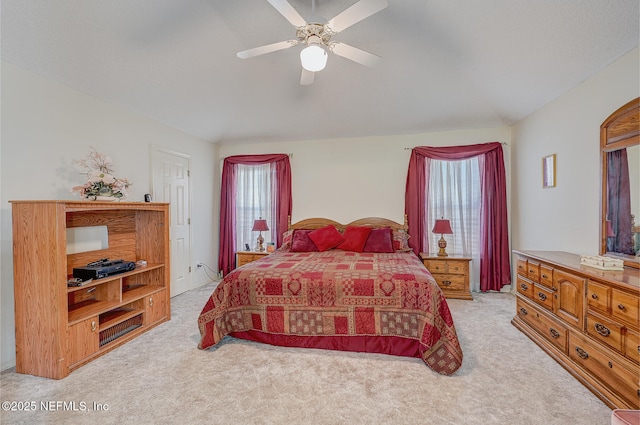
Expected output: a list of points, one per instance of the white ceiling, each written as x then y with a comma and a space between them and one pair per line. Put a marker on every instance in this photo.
447, 64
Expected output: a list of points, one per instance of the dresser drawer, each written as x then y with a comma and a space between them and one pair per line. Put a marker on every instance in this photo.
545, 325
533, 270
546, 275
620, 375
457, 267
624, 306
247, 257
243, 260
525, 287
523, 310
451, 282
598, 296
543, 296
604, 330
522, 266
632, 346
436, 266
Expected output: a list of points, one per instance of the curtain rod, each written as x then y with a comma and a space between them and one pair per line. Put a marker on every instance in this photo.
290, 155
408, 149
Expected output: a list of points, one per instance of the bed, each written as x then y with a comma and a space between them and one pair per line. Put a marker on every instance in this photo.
359, 295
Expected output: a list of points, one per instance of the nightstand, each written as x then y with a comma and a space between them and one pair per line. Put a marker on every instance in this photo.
451, 273
245, 257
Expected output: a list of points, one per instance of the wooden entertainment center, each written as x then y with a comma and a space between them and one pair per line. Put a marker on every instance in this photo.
59, 327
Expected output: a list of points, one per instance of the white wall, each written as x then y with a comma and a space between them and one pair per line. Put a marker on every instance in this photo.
566, 218
46, 125
347, 179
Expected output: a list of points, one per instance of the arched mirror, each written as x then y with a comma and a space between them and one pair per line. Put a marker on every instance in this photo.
620, 172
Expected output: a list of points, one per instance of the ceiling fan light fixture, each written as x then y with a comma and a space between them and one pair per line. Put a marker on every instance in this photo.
313, 58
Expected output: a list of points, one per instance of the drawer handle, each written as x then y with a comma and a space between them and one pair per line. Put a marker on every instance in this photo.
595, 297
544, 276
446, 282
554, 333
525, 312
542, 296
150, 301
531, 271
93, 326
621, 306
583, 354
523, 286
602, 329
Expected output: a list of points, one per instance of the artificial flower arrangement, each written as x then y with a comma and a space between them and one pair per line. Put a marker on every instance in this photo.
101, 183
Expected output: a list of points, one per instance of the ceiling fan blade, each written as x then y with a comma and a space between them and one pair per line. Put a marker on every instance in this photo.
356, 13
256, 51
286, 10
307, 77
354, 54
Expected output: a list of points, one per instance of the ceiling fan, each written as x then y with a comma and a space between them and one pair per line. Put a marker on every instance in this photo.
317, 37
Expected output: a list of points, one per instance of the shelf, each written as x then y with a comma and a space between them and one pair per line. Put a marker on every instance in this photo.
116, 316
89, 308
138, 292
96, 282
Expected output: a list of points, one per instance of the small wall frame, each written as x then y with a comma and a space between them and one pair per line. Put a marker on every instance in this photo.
549, 171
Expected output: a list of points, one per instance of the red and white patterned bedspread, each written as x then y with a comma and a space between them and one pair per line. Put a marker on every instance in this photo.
373, 302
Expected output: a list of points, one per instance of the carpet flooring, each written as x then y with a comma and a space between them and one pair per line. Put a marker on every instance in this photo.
162, 378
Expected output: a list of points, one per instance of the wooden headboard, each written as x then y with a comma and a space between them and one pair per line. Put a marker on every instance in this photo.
376, 222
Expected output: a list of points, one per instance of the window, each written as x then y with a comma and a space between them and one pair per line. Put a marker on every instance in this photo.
454, 194
253, 186
253, 201
495, 267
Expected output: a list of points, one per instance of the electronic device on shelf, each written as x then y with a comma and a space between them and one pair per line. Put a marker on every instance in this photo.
103, 268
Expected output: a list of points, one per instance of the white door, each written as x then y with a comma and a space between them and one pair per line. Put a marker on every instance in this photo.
170, 172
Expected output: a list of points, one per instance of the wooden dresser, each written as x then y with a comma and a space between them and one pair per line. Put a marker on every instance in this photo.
586, 319
451, 273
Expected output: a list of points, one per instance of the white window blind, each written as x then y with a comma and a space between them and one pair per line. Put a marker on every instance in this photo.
253, 201
454, 194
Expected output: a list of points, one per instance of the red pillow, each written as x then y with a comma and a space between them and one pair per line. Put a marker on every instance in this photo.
379, 240
326, 238
300, 241
355, 237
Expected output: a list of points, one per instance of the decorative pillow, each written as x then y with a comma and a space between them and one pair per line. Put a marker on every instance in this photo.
401, 240
355, 237
286, 239
379, 240
326, 238
300, 241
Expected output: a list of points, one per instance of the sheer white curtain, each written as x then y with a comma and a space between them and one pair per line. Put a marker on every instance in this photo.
254, 190
454, 194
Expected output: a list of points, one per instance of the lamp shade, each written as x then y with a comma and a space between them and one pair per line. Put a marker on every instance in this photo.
443, 227
313, 58
260, 225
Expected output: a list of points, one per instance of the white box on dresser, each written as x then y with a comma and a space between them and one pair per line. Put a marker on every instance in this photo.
586, 319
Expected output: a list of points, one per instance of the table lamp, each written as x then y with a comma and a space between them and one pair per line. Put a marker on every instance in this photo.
444, 228
260, 225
